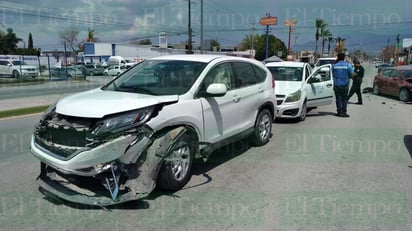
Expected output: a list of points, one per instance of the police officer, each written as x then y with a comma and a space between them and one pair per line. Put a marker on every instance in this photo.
342, 72
357, 81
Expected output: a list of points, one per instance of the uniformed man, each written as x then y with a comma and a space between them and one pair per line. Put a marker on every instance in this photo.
342, 72
357, 81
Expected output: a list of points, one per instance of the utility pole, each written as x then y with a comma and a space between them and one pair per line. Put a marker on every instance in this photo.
189, 45
201, 26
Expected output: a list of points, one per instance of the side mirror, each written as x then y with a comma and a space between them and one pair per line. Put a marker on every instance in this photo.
216, 89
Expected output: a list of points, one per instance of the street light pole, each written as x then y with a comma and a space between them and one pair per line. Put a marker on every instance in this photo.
290, 23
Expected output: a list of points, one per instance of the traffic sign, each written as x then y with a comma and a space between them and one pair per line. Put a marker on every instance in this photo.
268, 21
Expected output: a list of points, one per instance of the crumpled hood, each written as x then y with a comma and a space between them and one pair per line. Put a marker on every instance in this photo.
287, 87
97, 103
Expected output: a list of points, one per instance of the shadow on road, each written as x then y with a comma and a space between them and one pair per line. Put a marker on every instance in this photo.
407, 140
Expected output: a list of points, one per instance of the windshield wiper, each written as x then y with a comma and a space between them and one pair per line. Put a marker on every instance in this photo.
135, 89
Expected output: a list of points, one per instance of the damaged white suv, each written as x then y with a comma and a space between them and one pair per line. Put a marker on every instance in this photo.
144, 128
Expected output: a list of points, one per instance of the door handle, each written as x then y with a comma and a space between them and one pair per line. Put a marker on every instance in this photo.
236, 98
329, 85
260, 90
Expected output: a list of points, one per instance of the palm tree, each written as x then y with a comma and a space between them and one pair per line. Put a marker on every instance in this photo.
319, 23
340, 45
325, 33
91, 33
330, 40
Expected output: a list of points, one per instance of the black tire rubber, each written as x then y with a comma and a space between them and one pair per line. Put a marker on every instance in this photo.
265, 117
165, 179
375, 89
304, 112
404, 95
15, 74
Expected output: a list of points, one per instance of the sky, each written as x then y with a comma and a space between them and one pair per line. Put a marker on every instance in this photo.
367, 25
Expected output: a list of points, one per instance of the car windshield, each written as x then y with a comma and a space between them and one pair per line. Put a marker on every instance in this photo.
286, 73
322, 62
158, 77
18, 62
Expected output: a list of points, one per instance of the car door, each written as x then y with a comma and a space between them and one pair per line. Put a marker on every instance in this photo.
3, 67
394, 82
319, 86
220, 113
384, 81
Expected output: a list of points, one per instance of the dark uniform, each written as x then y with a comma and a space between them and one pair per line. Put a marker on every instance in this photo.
357, 81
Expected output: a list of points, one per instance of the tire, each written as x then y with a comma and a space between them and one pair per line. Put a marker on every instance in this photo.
376, 89
15, 74
303, 113
176, 169
263, 128
404, 95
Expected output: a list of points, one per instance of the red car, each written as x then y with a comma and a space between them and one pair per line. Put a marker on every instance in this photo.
394, 81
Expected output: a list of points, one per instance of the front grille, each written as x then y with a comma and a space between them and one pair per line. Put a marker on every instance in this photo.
63, 135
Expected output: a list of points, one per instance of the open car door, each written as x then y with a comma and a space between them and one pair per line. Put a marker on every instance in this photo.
319, 86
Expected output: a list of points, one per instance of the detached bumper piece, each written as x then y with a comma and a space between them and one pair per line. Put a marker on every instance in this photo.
102, 190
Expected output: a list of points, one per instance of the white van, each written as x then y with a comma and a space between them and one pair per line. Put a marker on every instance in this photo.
117, 60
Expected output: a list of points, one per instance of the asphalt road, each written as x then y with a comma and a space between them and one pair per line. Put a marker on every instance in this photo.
325, 174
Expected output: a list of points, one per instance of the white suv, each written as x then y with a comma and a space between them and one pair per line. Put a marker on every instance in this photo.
17, 68
144, 128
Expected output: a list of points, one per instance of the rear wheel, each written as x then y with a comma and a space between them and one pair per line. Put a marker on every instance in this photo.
15, 74
375, 89
175, 171
263, 128
404, 95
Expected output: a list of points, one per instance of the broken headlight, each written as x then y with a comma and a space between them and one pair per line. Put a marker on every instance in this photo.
120, 122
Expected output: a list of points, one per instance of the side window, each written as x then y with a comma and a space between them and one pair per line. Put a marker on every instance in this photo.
221, 73
244, 75
260, 73
395, 74
386, 73
3, 63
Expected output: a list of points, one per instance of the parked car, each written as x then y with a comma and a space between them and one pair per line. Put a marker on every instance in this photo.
145, 127
383, 65
72, 72
114, 70
298, 90
325, 60
94, 69
17, 69
394, 81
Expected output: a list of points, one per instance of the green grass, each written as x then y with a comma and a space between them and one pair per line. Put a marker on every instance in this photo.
9, 82
23, 111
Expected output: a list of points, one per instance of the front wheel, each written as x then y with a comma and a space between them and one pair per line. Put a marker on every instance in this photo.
176, 169
303, 112
404, 95
263, 128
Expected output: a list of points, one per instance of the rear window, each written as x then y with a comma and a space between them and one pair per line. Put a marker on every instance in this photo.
325, 61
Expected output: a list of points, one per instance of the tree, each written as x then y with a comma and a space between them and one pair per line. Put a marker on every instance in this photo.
325, 34
330, 40
9, 42
248, 42
320, 24
214, 43
91, 36
30, 42
340, 45
275, 45
145, 42
69, 37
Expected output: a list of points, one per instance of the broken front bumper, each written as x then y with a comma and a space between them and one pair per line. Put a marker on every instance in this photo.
123, 169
